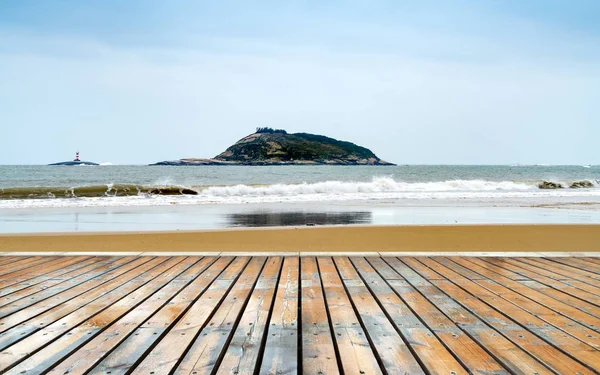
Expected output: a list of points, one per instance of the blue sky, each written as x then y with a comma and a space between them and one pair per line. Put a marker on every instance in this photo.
447, 81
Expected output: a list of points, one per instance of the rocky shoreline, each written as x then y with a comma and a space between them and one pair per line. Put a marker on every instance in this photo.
215, 162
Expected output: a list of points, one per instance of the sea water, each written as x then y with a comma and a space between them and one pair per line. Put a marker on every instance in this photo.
113, 197
60, 186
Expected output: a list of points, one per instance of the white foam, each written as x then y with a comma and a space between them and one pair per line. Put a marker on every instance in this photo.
377, 185
379, 189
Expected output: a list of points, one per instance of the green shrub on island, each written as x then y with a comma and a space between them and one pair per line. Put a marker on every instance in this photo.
268, 146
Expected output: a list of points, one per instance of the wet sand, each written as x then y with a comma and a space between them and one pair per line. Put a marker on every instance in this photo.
406, 238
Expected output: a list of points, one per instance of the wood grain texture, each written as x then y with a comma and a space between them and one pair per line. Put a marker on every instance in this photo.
276, 315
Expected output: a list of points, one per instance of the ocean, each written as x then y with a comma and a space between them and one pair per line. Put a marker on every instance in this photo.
132, 198
60, 186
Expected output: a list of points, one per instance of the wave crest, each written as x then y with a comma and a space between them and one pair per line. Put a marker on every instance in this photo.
329, 188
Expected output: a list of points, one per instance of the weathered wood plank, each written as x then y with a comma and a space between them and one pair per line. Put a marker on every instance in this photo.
165, 356
394, 354
281, 348
592, 259
25, 275
63, 298
35, 264
39, 279
22, 290
76, 308
471, 355
565, 317
66, 340
318, 351
356, 354
487, 306
510, 354
206, 351
86, 357
134, 348
47, 271
424, 343
447, 315
566, 271
59, 291
504, 262
565, 298
11, 260
544, 280
578, 264
243, 352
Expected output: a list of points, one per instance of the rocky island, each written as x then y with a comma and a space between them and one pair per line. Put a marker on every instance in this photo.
76, 161
277, 147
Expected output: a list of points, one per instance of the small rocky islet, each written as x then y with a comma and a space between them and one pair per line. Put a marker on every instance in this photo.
277, 147
75, 161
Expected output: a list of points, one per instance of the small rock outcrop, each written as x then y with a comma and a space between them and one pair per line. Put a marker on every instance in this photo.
581, 184
549, 185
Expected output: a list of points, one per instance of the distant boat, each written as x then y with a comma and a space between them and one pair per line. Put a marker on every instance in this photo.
586, 166
77, 161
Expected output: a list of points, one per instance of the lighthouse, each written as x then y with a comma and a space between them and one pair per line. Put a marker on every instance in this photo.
77, 161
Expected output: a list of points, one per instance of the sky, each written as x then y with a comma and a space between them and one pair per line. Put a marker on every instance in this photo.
417, 82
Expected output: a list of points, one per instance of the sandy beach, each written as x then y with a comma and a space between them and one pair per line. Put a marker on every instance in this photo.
407, 238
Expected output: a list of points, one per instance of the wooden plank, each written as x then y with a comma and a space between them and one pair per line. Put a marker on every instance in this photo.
356, 354
427, 273
207, 350
121, 316
99, 297
488, 307
318, 352
592, 259
244, 350
471, 355
127, 354
58, 292
35, 264
165, 356
510, 354
565, 317
62, 299
28, 356
25, 278
504, 262
42, 329
280, 355
15, 294
566, 288
7, 261
490, 271
90, 355
20, 264
424, 343
394, 354
567, 271
31, 284
565, 298
577, 264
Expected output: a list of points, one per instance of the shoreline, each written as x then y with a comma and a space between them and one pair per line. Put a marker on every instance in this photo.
502, 238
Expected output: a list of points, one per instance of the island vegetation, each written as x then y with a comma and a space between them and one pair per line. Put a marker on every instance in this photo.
268, 146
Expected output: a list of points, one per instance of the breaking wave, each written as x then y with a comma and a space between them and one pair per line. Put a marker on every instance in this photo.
109, 190
327, 188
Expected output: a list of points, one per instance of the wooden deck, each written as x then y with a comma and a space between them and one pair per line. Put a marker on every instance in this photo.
291, 315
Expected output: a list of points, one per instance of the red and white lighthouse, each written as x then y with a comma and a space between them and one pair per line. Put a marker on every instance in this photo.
77, 156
